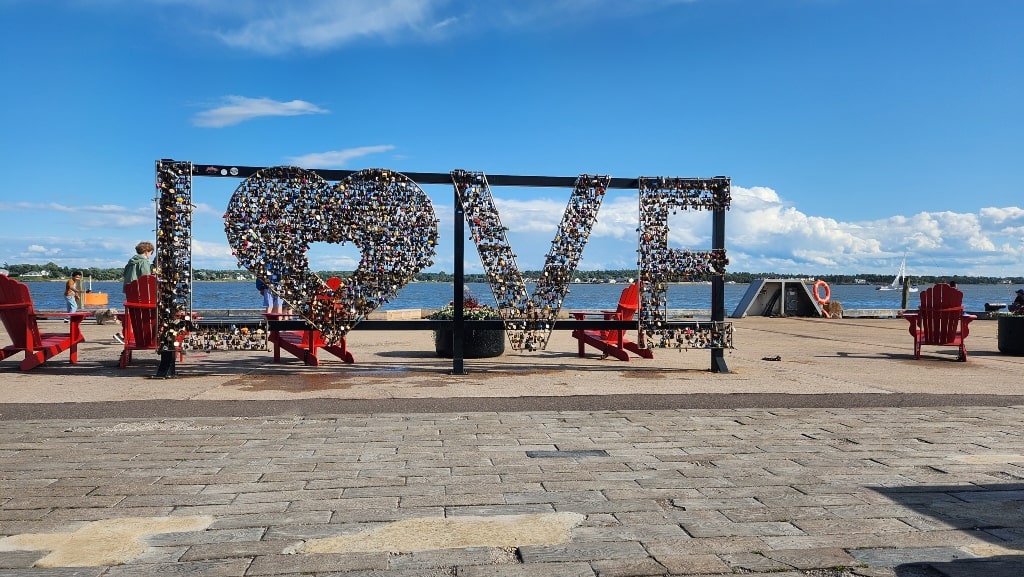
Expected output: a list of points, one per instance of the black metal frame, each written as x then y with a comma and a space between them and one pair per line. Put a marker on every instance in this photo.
459, 323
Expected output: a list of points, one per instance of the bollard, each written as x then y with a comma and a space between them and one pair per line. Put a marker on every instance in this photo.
905, 301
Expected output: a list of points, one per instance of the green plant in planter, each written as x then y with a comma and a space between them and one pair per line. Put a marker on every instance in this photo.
472, 310
477, 343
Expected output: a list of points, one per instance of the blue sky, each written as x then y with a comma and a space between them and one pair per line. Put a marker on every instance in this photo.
854, 130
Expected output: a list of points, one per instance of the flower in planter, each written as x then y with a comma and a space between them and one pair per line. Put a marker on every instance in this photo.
472, 310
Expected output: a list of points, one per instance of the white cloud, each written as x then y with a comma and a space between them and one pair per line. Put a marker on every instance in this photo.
1003, 214
323, 24
540, 215
100, 216
764, 233
39, 250
238, 109
274, 28
337, 158
618, 217
219, 251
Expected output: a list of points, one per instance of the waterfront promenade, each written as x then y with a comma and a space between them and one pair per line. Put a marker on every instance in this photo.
844, 457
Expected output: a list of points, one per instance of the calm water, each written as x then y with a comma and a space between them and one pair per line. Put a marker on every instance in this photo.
48, 296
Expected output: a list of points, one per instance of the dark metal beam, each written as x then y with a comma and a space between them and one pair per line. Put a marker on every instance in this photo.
228, 171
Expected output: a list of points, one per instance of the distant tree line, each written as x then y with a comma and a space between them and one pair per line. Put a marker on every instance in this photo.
100, 274
54, 270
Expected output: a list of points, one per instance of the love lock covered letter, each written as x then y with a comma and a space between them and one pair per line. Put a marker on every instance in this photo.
276, 214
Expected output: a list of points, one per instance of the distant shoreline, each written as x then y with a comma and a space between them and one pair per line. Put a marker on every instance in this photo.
745, 278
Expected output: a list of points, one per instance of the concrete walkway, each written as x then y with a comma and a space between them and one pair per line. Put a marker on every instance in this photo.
844, 457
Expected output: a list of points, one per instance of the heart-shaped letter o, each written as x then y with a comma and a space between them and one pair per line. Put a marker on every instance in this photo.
275, 214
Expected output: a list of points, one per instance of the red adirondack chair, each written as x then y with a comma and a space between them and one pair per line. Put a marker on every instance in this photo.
940, 320
613, 342
306, 344
19, 318
139, 320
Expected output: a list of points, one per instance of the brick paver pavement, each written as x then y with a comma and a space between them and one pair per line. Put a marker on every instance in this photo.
909, 492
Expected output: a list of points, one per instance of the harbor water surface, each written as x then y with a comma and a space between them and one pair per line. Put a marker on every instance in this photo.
48, 295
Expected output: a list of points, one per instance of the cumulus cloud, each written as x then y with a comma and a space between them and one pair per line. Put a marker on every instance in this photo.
532, 216
238, 109
214, 250
1002, 215
39, 250
337, 158
618, 217
765, 233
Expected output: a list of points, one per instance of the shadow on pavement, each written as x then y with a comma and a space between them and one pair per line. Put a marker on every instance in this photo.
999, 566
991, 516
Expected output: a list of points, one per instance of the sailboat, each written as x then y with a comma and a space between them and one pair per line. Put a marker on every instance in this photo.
897, 283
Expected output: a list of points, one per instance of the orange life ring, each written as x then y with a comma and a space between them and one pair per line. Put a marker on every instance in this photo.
822, 300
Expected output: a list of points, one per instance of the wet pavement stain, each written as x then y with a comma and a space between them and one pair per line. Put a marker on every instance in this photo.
644, 374
434, 384
293, 384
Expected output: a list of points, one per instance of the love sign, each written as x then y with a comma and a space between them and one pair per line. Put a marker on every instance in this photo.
276, 213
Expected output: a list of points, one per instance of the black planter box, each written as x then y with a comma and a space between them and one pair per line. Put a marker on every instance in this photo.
476, 344
1011, 335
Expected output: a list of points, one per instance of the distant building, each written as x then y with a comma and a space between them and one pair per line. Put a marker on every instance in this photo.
36, 274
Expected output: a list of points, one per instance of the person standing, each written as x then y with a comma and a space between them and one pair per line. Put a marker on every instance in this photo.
71, 292
137, 266
272, 303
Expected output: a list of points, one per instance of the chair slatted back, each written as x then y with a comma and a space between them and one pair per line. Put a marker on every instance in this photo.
629, 303
941, 312
140, 308
18, 314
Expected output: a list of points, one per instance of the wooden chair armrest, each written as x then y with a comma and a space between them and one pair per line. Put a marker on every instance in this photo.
911, 318
964, 321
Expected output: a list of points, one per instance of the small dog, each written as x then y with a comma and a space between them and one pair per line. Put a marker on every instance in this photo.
102, 316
